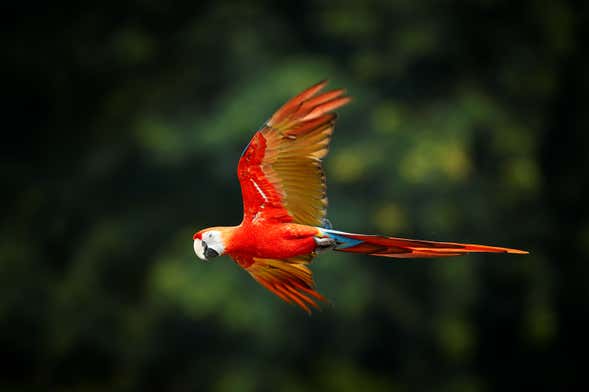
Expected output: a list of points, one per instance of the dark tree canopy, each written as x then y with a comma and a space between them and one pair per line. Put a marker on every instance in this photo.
125, 124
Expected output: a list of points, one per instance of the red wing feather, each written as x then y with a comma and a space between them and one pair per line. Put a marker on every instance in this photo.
292, 105
291, 280
280, 171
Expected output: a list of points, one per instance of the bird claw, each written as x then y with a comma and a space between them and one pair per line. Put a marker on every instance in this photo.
323, 244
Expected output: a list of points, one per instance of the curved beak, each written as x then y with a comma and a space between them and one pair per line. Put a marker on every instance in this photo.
199, 249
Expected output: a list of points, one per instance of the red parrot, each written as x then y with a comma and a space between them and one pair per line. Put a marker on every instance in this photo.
284, 205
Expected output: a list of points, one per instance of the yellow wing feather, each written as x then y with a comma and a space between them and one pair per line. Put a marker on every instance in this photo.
297, 139
289, 279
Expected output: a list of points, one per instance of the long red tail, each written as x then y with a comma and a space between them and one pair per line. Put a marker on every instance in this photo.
376, 245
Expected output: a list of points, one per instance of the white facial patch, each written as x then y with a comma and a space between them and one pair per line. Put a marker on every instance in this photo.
213, 241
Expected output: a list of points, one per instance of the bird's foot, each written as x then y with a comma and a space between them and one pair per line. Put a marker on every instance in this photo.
323, 244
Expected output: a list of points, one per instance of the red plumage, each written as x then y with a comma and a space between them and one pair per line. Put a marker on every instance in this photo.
284, 205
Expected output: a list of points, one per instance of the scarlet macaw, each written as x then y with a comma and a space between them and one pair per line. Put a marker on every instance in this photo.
284, 201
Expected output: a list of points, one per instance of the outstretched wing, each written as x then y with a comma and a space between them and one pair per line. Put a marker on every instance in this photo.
289, 279
280, 170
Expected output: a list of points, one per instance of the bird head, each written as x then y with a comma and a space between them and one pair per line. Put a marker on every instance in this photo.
209, 243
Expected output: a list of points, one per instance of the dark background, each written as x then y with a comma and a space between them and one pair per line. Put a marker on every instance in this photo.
121, 136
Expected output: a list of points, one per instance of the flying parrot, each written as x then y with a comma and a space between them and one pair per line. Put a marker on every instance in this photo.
284, 222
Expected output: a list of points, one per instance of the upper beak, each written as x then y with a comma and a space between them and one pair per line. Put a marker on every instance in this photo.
199, 249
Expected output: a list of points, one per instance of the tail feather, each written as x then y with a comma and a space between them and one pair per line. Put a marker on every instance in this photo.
394, 247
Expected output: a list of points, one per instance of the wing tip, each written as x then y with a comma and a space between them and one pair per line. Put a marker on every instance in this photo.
323, 82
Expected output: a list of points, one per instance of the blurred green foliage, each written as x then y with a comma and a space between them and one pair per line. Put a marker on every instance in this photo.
469, 123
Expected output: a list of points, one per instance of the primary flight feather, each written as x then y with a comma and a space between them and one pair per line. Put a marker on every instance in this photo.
284, 205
